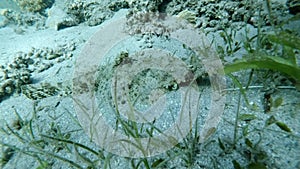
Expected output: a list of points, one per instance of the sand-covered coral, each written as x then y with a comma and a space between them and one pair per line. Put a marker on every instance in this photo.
14, 75
32, 13
218, 14
21, 19
141, 5
93, 13
145, 23
117, 5
34, 5
19, 72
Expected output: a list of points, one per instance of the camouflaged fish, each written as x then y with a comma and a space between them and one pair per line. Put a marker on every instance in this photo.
87, 82
44, 90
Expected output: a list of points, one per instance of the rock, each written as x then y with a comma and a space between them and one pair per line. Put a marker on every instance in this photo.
187, 15
59, 19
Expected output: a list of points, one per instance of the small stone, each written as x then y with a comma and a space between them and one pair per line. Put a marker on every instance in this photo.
8, 89
4, 12
30, 61
3, 75
58, 60
52, 56
19, 31
44, 67
30, 53
36, 55
69, 55
44, 54
13, 66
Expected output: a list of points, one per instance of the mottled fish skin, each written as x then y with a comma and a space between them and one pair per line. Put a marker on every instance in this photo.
44, 90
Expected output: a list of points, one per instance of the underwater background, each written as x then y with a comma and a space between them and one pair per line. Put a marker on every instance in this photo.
149, 84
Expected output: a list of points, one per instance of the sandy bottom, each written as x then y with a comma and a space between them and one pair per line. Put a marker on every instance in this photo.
43, 130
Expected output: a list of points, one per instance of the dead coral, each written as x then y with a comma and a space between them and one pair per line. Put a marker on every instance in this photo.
141, 5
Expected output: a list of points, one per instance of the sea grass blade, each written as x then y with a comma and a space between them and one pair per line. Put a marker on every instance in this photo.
261, 61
